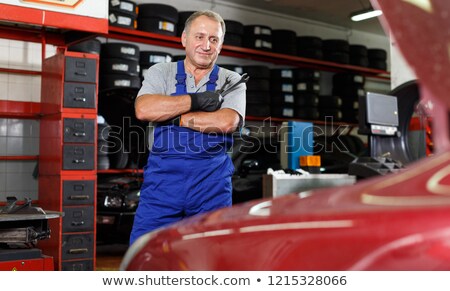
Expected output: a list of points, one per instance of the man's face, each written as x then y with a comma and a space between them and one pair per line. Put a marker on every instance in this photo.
203, 42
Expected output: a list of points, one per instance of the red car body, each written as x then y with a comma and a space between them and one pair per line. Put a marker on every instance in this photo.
395, 222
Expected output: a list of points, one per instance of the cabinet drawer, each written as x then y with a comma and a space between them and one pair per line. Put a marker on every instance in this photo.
78, 157
79, 95
78, 219
78, 192
87, 265
77, 246
79, 130
80, 70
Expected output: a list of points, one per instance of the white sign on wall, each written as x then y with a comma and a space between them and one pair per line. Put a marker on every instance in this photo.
90, 8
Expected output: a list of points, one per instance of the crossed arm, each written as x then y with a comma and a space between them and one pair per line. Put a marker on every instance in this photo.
159, 108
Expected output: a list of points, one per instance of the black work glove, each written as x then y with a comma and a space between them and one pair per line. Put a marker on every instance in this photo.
208, 101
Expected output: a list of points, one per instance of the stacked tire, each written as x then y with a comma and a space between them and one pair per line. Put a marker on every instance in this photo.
307, 89
150, 58
119, 66
294, 93
257, 37
336, 50
119, 84
258, 91
234, 33
349, 87
330, 107
122, 13
282, 93
377, 59
284, 41
309, 47
158, 18
358, 55
182, 17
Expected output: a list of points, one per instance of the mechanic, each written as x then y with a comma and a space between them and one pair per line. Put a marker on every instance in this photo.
188, 170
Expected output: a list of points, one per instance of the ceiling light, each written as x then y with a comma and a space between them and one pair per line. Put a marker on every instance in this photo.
365, 14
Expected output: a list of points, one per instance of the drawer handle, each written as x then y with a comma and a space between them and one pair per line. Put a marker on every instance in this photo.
79, 134
80, 99
81, 73
79, 197
79, 161
78, 251
77, 223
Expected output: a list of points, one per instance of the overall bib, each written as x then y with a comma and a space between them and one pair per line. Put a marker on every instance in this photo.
188, 172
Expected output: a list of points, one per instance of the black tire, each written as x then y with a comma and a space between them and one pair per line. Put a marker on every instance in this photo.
285, 35
349, 91
306, 75
282, 74
309, 42
258, 97
118, 160
262, 42
234, 27
337, 57
310, 53
162, 11
120, 50
306, 99
335, 113
350, 115
336, 45
183, 16
257, 72
280, 98
284, 48
149, 58
123, 6
108, 82
285, 111
344, 79
307, 86
157, 25
258, 110
309, 113
103, 162
282, 86
258, 85
122, 20
330, 101
378, 54
90, 46
103, 131
102, 147
257, 30
376, 64
119, 66
357, 50
359, 61
233, 39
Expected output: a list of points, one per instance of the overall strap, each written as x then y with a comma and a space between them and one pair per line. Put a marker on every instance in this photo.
181, 79
211, 84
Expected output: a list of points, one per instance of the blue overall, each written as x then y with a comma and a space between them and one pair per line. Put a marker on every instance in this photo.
188, 172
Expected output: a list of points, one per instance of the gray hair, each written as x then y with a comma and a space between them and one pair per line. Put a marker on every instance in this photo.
208, 13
